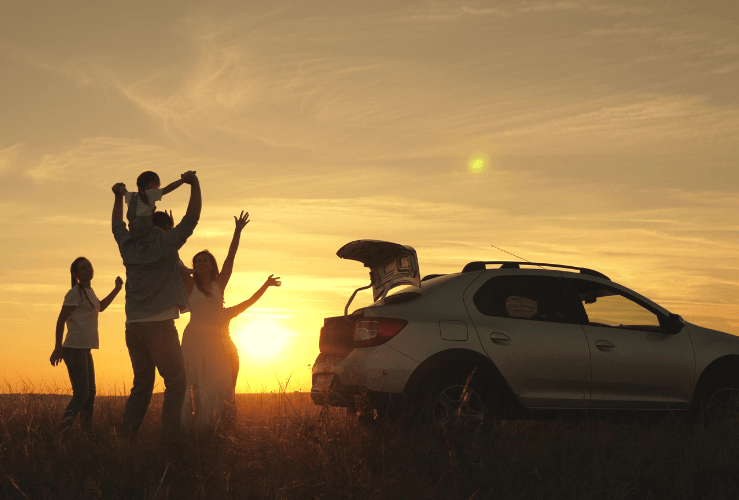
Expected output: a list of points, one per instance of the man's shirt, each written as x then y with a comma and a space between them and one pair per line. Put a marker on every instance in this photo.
153, 283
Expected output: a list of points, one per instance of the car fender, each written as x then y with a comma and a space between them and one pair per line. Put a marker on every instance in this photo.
713, 349
451, 358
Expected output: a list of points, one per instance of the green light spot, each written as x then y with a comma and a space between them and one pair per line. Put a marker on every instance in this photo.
477, 164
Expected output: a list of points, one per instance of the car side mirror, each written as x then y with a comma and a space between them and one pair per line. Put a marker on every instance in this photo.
674, 323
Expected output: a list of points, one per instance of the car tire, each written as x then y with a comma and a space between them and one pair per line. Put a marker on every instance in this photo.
720, 405
457, 400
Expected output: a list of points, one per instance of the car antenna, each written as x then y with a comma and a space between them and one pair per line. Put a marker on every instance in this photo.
516, 256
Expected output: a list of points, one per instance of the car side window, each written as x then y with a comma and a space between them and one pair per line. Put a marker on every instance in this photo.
607, 306
522, 297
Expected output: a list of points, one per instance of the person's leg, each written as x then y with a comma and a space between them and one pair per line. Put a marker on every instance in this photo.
233, 358
89, 407
143, 377
230, 413
166, 354
77, 369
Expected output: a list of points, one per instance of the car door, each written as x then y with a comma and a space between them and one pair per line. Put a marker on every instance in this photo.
635, 362
525, 329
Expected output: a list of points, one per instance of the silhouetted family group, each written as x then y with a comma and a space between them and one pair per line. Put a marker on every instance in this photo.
200, 374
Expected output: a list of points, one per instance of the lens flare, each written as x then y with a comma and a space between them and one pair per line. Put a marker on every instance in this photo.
477, 164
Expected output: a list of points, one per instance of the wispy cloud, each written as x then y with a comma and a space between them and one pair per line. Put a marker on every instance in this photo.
26, 287
10, 157
528, 7
101, 160
75, 220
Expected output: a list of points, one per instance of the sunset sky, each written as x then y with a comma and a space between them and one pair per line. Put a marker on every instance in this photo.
611, 130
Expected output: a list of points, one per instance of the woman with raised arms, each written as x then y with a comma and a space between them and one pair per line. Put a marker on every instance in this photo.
211, 358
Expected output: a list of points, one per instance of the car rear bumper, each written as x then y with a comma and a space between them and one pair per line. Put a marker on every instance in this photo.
365, 373
354, 397
378, 369
327, 390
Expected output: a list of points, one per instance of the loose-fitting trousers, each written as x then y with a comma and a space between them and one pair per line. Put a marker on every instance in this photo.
151, 345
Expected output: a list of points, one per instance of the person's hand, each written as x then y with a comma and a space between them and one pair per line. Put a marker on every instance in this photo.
272, 281
242, 220
189, 177
118, 282
118, 188
56, 356
171, 217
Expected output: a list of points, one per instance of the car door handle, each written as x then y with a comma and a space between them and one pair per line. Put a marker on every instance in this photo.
604, 345
500, 338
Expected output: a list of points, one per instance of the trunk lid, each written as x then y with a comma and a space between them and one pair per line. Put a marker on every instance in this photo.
390, 264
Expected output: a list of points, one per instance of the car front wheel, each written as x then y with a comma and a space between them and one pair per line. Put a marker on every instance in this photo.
721, 406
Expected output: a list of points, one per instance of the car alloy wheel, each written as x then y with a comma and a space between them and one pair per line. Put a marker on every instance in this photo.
458, 405
456, 400
723, 405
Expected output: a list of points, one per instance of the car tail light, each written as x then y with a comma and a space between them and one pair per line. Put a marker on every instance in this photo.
375, 331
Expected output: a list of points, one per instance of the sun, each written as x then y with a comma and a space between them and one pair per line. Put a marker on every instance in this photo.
261, 338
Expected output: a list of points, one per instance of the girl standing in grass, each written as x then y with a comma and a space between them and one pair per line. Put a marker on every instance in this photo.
80, 312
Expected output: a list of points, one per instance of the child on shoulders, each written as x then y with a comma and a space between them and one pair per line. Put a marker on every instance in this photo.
142, 204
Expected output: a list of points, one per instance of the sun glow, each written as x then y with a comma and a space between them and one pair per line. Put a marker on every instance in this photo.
261, 338
478, 163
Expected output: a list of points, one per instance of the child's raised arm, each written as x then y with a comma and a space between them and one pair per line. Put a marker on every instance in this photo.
171, 187
107, 300
174, 185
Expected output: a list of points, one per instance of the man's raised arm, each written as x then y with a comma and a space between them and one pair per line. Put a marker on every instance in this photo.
196, 201
118, 204
119, 227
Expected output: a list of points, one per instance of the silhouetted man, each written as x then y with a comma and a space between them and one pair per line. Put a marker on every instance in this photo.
155, 296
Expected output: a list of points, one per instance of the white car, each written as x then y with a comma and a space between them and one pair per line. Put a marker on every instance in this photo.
507, 339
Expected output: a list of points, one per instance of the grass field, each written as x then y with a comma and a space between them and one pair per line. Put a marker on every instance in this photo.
282, 446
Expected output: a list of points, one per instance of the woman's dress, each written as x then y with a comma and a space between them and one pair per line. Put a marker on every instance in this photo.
210, 387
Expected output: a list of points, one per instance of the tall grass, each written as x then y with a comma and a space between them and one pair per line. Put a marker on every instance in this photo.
282, 446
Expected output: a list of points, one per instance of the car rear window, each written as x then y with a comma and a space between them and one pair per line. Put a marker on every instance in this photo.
521, 297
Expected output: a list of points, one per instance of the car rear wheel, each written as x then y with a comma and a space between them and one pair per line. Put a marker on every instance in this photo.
457, 401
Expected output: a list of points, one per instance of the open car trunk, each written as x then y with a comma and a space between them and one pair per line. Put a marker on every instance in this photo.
390, 264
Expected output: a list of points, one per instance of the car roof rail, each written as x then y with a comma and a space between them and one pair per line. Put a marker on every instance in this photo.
510, 264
